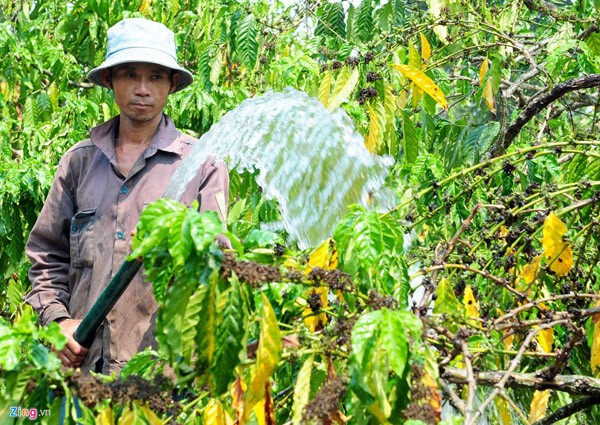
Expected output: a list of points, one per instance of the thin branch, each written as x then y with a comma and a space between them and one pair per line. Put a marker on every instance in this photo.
524, 117
471, 383
455, 400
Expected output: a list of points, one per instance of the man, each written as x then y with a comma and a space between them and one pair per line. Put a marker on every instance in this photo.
102, 184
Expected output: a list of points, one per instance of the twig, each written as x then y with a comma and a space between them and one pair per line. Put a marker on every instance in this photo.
471, 383
524, 117
512, 366
532, 304
516, 408
568, 410
455, 400
441, 257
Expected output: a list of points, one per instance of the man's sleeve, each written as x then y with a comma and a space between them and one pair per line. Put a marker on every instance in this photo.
48, 248
214, 191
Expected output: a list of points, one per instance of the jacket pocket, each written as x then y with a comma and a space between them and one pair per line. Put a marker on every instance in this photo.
82, 238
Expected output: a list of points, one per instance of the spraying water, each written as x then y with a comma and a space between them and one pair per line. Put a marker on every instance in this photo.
313, 162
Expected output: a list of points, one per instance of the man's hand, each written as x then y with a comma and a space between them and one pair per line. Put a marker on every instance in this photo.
73, 354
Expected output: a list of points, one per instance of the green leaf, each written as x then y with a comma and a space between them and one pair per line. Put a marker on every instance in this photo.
230, 336
446, 301
410, 139
246, 44
141, 364
207, 327
593, 42
364, 20
331, 20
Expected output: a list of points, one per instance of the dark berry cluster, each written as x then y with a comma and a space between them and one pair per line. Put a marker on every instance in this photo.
378, 301
366, 94
335, 279
373, 76
325, 406
248, 271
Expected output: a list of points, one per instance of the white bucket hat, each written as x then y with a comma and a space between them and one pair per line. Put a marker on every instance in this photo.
141, 40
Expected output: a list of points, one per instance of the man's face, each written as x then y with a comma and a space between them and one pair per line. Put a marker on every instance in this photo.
141, 89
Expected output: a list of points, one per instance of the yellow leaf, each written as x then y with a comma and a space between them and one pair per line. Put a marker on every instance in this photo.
528, 274
557, 251
470, 303
434, 397
128, 417
545, 339
325, 88
372, 141
425, 48
324, 256
503, 411
417, 95
344, 86
423, 81
268, 354
313, 320
508, 341
488, 91
302, 391
539, 405
151, 416
144, 5
106, 417
503, 231
595, 357
214, 414
401, 100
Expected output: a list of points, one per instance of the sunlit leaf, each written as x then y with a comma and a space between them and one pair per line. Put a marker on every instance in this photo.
470, 303
373, 139
446, 301
539, 405
425, 48
106, 417
325, 88
595, 348
488, 91
424, 82
344, 86
556, 249
302, 390
545, 339
214, 414
528, 274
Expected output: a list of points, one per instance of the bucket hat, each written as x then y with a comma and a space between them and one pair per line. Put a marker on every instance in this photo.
141, 40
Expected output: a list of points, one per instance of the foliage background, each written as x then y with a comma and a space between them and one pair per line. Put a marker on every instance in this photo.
472, 194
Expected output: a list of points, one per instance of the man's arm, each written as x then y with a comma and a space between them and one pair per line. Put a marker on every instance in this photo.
48, 248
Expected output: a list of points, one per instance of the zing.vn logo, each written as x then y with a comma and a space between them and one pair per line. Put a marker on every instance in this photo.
32, 414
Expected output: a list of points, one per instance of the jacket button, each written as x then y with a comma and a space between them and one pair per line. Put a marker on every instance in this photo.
124, 190
74, 228
120, 235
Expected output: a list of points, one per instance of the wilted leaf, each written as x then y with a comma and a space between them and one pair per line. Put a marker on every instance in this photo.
315, 320
214, 414
539, 405
106, 417
470, 303
595, 349
528, 274
545, 339
302, 391
423, 81
503, 411
488, 91
425, 48
556, 249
